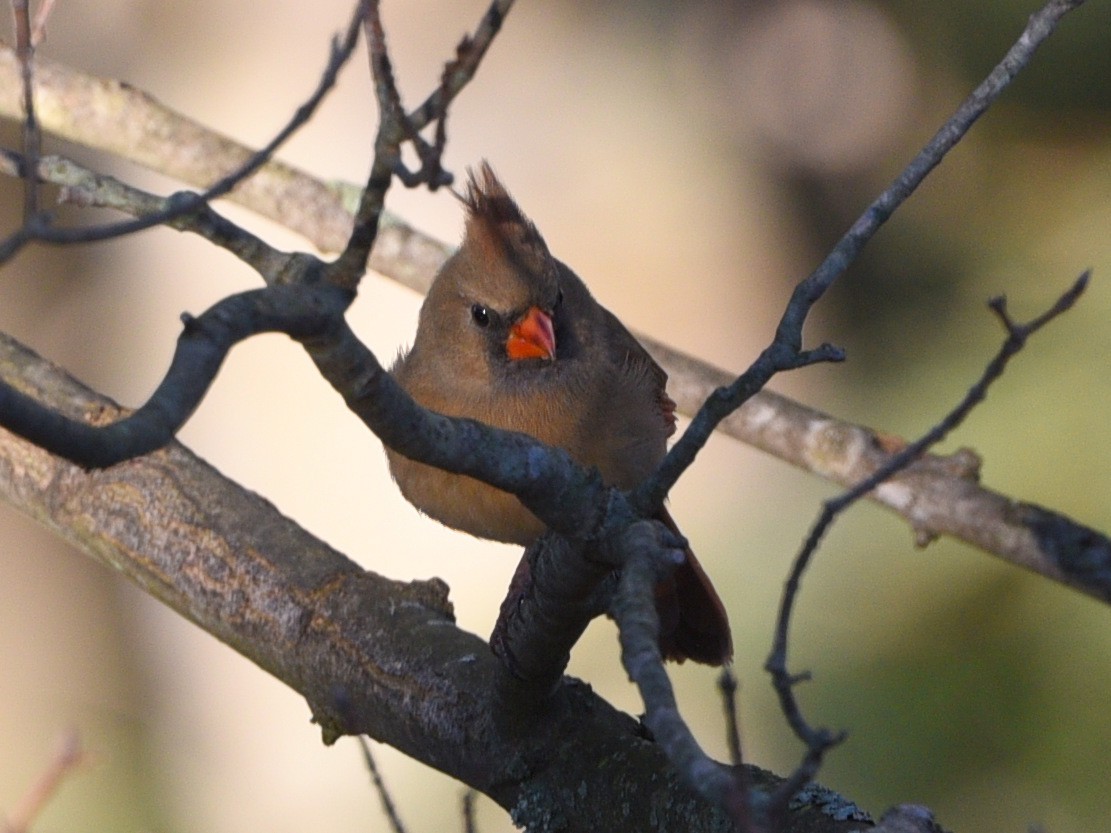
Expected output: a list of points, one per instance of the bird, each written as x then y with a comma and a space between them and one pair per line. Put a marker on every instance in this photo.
510, 336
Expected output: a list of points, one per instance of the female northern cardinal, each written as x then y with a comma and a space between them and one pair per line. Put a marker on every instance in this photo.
509, 336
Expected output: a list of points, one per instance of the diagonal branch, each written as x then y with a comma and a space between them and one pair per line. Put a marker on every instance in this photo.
39, 228
648, 559
786, 351
459, 72
395, 128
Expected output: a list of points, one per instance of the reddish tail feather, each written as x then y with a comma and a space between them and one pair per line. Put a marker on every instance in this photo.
693, 621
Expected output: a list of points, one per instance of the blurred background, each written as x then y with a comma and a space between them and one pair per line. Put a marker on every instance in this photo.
691, 160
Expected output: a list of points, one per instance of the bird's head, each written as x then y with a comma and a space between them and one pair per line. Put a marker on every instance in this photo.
496, 305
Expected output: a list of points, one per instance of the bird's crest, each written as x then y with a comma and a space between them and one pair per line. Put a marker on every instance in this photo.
495, 219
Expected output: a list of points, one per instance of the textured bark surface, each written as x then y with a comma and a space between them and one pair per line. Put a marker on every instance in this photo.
370, 655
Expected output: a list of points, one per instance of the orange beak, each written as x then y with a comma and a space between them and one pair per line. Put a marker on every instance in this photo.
532, 337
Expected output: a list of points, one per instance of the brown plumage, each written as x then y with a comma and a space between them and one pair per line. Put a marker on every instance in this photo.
510, 336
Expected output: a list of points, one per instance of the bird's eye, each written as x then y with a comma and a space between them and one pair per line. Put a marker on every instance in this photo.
559, 299
480, 315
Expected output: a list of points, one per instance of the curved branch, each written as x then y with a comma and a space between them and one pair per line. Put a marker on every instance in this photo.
650, 558
299, 311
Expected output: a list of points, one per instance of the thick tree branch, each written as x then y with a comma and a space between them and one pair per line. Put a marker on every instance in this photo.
362, 649
555, 593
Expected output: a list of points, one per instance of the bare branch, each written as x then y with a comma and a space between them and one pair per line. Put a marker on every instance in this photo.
785, 352
727, 684
132, 125
388, 806
32, 137
300, 311
469, 825
68, 756
395, 128
555, 593
818, 741
83, 187
648, 557
38, 28
347, 269
937, 495
459, 72
36, 228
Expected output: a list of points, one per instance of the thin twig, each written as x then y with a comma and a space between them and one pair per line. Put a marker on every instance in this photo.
388, 806
395, 128
67, 758
785, 352
83, 187
32, 136
742, 790
459, 72
819, 740
348, 268
470, 799
186, 201
727, 684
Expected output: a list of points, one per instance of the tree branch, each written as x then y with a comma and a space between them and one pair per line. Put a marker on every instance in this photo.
39, 227
818, 741
32, 137
359, 647
786, 351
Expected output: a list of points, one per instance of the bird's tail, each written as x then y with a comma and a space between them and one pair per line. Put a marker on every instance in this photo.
693, 621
